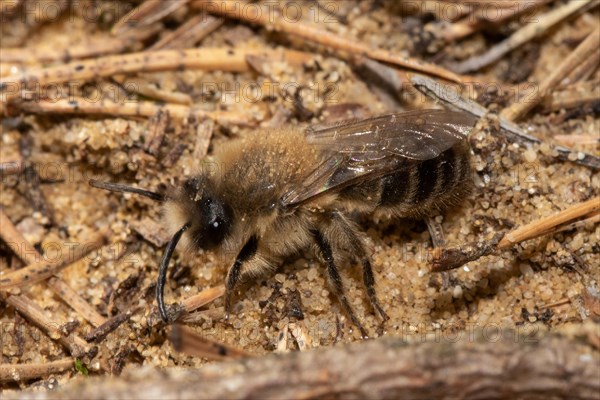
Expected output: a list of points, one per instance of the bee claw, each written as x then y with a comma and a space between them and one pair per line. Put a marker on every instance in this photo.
384, 316
363, 334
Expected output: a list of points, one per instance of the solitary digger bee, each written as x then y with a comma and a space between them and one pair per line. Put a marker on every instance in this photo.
281, 191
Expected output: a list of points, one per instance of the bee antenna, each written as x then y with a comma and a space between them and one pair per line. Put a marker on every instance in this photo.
117, 187
162, 272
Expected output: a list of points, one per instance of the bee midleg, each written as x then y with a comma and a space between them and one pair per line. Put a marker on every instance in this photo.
336, 280
343, 235
233, 276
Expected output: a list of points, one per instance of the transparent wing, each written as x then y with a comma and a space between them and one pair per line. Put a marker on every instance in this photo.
367, 149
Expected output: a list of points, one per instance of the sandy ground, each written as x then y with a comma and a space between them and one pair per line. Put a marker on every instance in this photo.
514, 185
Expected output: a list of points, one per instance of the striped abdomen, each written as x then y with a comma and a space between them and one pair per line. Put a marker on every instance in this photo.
420, 187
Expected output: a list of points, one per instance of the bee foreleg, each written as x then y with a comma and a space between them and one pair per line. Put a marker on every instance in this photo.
233, 276
336, 280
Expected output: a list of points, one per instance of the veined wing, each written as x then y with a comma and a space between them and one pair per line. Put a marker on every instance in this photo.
368, 149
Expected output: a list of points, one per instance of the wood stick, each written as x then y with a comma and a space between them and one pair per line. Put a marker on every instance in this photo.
176, 311
190, 33
572, 140
16, 241
71, 298
455, 257
558, 303
94, 48
453, 100
206, 296
143, 86
98, 334
82, 106
583, 70
76, 346
44, 269
547, 225
589, 219
25, 372
147, 13
490, 364
186, 340
26, 252
216, 313
520, 108
580, 94
479, 18
209, 59
264, 17
522, 36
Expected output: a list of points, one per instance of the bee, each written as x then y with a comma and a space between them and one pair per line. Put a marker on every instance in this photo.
279, 192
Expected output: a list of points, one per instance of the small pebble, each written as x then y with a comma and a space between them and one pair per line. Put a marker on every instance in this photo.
530, 155
457, 292
526, 269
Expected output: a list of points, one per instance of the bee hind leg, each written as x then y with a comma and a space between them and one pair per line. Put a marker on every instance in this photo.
369, 281
336, 281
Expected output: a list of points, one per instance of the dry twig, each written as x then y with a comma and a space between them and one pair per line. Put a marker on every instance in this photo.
25, 372
94, 48
523, 35
82, 106
210, 59
149, 12
549, 224
263, 17
26, 252
482, 17
518, 109
190, 33
185, 340
209, 295
572, 140
578, 95
44, 269
175, 311
451, 99
512, 365
558, 303
99, 333
143, 86
584, 69
454, 257
76, 346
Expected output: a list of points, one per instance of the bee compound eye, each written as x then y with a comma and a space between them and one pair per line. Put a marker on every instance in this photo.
216, 221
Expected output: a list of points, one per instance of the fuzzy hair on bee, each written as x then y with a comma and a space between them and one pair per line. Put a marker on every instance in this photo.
279, 192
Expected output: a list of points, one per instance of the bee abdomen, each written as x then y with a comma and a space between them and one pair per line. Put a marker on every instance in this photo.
418, 188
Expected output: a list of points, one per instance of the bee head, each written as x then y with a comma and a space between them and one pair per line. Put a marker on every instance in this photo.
209, 217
